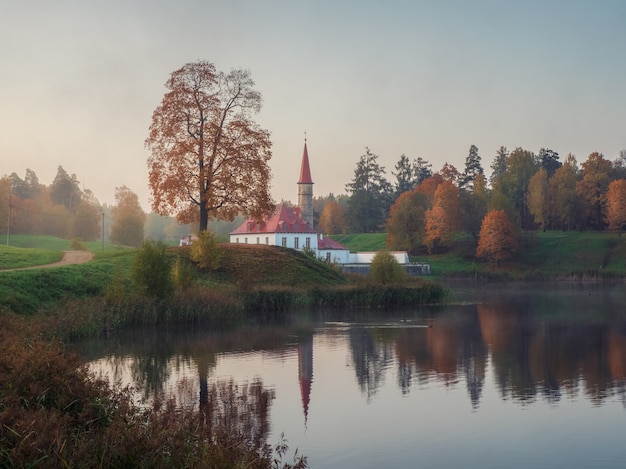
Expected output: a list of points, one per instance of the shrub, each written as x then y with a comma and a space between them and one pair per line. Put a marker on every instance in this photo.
151, 271
182, 273
78, 245
386, 269
205, 251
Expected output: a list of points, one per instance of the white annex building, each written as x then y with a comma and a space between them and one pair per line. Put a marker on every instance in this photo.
293, 227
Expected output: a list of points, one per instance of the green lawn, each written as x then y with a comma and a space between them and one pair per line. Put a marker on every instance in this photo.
359, 242
553, 253
13, 257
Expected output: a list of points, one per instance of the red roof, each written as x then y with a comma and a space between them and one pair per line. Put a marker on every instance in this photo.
284, 220
325, 243
305, 170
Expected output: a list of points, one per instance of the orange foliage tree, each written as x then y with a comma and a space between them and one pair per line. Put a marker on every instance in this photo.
616, 205
429, 185
443, 220
332, 219
406, 222
497, 240
209, 159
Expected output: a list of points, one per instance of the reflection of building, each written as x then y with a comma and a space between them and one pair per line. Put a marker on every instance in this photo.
305, 372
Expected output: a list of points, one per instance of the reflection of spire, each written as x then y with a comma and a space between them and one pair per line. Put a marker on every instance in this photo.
305, 372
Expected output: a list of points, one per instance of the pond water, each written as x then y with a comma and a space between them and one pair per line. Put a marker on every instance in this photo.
507, 376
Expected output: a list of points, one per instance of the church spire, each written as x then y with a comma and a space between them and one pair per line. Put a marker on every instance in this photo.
305, 188
305, 170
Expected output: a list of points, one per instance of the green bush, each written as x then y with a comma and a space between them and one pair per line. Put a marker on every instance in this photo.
386, 269
205, 251
151, 271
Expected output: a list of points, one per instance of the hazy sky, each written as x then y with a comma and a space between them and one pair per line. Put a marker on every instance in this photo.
79, 81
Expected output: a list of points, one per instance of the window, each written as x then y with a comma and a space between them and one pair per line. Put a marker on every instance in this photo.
284, 242
328, 257
296, 243
237, 240
257, 240
267, 240
308, 242
245, 240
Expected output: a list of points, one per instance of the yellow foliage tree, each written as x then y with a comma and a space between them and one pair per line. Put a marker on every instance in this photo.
406, 222
332, 219
537, 197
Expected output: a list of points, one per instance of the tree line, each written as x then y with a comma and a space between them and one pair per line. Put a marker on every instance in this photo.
425, 210
65, 210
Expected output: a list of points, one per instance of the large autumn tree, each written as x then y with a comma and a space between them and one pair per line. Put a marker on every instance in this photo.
209, 159
497, 240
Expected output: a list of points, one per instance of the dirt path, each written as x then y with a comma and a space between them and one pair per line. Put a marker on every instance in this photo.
69, 257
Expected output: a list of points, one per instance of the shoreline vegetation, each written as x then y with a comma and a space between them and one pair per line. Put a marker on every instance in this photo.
54, 413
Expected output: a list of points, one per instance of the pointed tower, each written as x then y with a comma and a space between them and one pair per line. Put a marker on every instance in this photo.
305, 189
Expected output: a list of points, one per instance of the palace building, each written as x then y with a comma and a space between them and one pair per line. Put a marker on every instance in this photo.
294, 227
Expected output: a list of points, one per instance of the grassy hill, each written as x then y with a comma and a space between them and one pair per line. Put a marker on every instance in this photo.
241, 265
248, 264
553, 254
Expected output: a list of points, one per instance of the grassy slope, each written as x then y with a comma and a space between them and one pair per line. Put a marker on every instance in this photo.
362, 241
28, 290
553, 254
12, 257
271, 265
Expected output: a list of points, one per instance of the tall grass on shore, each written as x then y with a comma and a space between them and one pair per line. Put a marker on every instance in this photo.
225, 307
102, 315
54, 413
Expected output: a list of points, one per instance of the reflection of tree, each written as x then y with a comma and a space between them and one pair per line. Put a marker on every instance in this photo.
473, 358
547, 347
506, 334
370, 359
453, 346
233, 409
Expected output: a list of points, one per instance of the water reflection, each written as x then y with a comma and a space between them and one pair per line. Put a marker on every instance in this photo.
535, 346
